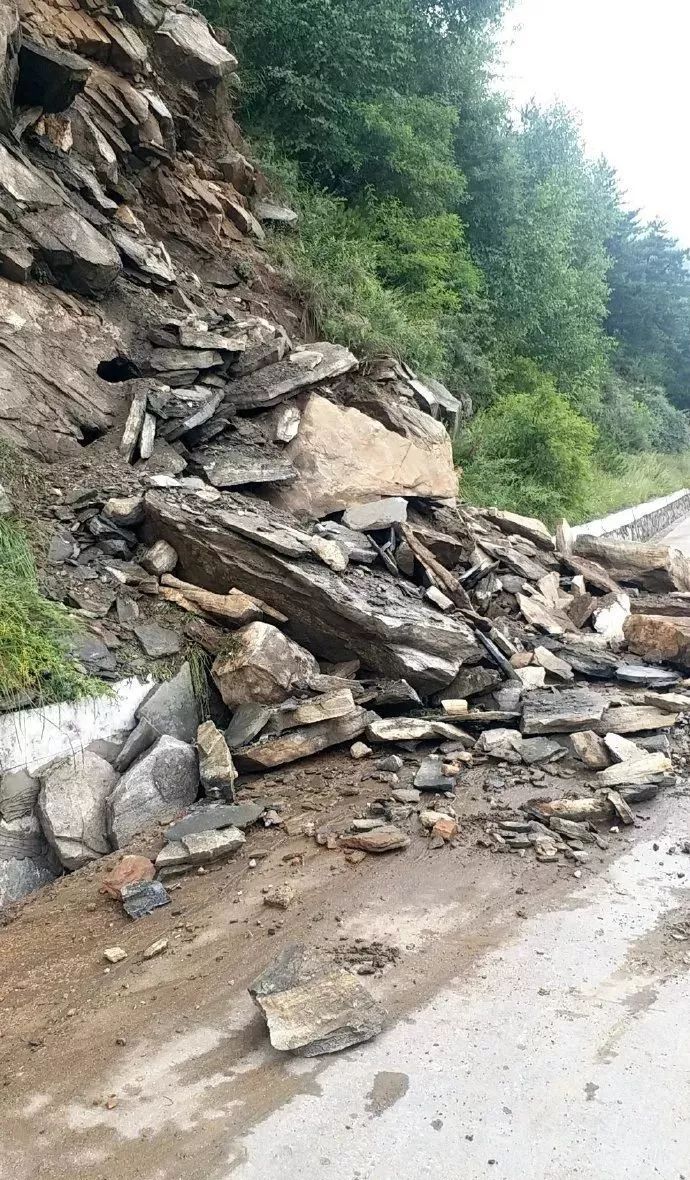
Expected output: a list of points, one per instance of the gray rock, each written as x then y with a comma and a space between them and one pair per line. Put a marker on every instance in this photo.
471, 682
22, 838
10, 39
274, 214
77, 255
142, 898
60, 547
160, 559
232, 464
216, 767
406, 795
5, 504
18, 794
357, 545
18, 878
262, 665
199, 848
186, 42
392, 762
540, 749
379, 514
430, 776
72, 808
171, 709
92, 653
247, 723
165, 780
212, 816
157, 641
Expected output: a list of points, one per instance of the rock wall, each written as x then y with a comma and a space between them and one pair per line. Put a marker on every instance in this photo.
641, 522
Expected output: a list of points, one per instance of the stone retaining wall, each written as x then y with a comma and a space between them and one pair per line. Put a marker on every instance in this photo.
641, 522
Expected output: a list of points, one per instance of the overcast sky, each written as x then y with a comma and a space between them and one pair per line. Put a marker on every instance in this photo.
625, 65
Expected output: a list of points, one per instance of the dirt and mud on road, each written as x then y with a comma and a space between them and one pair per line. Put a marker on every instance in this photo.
527, 1007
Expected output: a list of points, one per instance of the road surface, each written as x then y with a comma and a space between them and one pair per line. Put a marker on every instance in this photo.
678, 535
544, 1034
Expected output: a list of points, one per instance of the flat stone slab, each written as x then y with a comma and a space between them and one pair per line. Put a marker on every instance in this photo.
215, 816
143, 898
157, 641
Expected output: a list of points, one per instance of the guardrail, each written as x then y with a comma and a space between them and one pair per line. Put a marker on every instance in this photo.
640, 522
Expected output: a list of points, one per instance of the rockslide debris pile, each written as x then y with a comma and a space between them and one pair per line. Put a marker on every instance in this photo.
270, 503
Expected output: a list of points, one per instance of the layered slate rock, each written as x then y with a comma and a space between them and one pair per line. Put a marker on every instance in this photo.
171, 709
72, 808
26, 861
363, 612
164, 781
187, 44
77, 255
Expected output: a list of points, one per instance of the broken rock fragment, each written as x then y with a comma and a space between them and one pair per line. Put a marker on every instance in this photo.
387, 838
261, 665
311, 1013
200, 848
72, 808
216, 767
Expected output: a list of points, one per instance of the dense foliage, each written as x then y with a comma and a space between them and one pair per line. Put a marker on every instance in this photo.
487, 250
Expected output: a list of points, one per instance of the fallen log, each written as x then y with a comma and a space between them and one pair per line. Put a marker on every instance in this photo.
591, 808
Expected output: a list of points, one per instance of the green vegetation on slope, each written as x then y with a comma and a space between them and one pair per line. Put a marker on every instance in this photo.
488, 251
35, 634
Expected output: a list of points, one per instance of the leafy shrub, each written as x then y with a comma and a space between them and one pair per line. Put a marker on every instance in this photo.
530, 451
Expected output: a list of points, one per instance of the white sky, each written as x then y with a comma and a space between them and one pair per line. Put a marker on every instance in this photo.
625, 66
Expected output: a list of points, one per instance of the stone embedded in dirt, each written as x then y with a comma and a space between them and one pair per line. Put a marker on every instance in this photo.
185, 40
155, 948
445, 828
272, 751
313, 1016
261, 665
127, 609
157, 641
143, 897
385, 839
72, 808
565, 711
114, 954
171, 709
345, 458
93, 596
61, 547
431, 775
18, 794
540, 749
200, 848
165, 780
392, 762
377, 514
124, 511
160, 559
359, 750
131, 870
216, 767
280, 897
210, 816
429, 818
406, 795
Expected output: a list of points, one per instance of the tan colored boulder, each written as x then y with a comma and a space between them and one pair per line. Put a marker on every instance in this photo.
659, 637
262, 665
344, 458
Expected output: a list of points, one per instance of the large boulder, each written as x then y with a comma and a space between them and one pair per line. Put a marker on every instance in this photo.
190, 49
77, 255
171, 709
164, 781
26, 861
344, 457
659, 637
261, 664
71, 808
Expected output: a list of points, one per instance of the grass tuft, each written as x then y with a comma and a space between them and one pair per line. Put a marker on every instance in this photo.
35, 634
